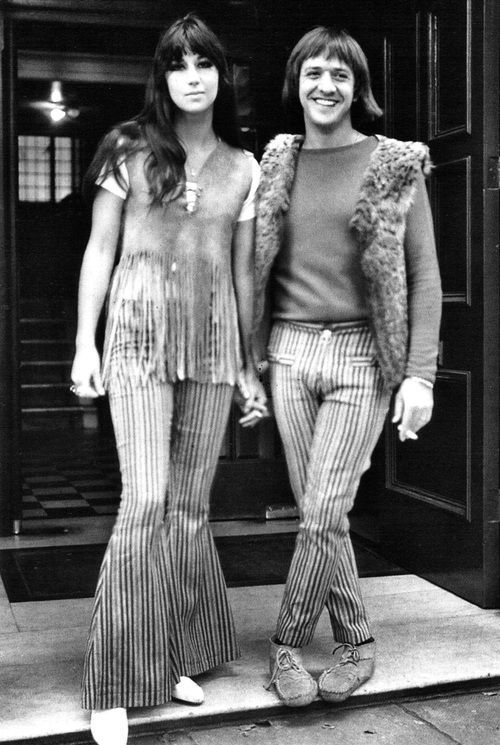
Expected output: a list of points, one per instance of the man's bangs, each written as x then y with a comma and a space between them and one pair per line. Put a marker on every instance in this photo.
341, 49
324, 42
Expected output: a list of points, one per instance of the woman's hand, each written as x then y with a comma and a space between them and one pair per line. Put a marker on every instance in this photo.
251, 398
86, 373
412, 408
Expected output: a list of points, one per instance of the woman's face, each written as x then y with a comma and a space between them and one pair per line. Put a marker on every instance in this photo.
193, 83
326, 92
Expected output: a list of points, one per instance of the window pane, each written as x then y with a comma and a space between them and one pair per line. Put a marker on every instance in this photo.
39, 175
34, 168
63, 177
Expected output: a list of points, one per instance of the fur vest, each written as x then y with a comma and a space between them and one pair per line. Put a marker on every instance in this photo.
379, 221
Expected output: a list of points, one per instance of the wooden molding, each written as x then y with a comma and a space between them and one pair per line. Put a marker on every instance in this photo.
458, 297
395, 484
89, 68
436, 131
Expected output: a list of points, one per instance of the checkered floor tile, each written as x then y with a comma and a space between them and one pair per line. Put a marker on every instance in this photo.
69, 474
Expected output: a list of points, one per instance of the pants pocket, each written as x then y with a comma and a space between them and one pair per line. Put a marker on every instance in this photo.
363, 361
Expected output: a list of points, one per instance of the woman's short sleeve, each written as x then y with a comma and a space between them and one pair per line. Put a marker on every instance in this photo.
110, 182
248, 209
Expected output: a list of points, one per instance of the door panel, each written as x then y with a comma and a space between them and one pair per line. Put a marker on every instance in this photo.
252, 472
450, 191
446, 445
449, 35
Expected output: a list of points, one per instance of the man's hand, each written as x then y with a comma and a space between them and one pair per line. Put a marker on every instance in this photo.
412, 408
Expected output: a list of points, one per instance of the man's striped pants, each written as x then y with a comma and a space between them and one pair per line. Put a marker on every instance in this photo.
330, 403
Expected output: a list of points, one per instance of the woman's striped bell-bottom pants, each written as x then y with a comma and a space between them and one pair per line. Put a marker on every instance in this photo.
330, 403
160, 608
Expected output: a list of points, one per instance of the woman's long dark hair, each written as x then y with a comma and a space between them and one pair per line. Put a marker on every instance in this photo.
152, 129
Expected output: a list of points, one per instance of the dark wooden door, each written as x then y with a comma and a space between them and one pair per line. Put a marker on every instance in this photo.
438, 515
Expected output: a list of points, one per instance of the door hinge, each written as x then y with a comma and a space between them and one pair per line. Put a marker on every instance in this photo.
493, 177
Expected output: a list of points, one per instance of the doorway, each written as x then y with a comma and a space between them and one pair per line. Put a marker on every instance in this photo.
67, 97
434, 508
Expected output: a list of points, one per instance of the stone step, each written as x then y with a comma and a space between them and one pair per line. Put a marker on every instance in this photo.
46, 371
59, 417
42, 328
47, 395
43, 307
47, 349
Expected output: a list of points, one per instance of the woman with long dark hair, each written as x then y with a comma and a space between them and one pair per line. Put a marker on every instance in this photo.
175, 196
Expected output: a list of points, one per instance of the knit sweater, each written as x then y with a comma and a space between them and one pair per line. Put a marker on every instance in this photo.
379, 223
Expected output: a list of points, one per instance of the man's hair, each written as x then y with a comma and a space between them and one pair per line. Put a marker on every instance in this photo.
329, 42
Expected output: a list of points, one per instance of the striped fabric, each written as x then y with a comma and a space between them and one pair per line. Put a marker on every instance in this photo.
330, 404
160, 608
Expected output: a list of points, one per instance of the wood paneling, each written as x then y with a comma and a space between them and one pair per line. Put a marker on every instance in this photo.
92, 68
449, 68
439, 511
451, 203
436, 468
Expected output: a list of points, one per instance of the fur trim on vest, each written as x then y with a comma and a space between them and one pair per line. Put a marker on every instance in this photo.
379, 220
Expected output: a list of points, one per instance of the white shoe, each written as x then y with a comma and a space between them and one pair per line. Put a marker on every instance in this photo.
109, 726
187, 691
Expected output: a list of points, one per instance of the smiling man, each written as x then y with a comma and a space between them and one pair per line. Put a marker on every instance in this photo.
326, 94
344, 230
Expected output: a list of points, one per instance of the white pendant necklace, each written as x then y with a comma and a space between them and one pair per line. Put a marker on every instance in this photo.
192, 191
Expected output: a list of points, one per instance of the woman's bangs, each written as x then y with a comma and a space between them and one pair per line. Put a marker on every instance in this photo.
193, 40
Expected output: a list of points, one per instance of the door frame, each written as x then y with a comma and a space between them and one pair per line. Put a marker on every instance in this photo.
491, 330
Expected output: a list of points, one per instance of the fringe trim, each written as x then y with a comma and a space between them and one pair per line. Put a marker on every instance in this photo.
171, 319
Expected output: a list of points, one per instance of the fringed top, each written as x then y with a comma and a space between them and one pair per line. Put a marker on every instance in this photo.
172, 310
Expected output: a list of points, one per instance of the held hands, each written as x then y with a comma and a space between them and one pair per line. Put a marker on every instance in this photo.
251, 398
412, 408
85, 373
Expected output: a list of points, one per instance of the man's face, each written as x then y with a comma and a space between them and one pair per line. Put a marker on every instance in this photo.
326, 92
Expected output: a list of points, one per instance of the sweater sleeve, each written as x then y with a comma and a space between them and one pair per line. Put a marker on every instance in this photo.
424, 287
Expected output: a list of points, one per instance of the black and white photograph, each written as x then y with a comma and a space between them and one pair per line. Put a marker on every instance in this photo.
249, 372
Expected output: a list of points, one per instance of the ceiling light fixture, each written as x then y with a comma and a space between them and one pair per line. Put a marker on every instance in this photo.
56, 95
57, 114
